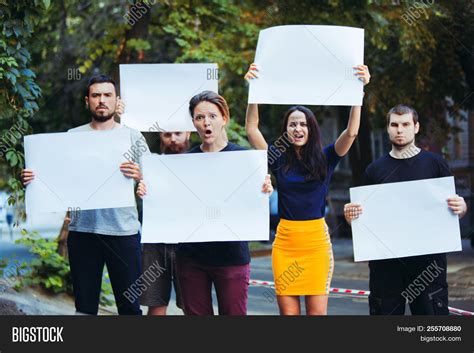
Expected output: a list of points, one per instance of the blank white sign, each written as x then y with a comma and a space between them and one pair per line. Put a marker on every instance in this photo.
313, 65
200, 197
78, 170
405, 219
157, 95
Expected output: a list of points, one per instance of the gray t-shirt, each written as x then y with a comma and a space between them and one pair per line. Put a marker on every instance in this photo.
112, 221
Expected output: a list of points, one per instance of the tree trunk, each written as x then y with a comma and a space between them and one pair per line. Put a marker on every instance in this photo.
139, 30
62, 238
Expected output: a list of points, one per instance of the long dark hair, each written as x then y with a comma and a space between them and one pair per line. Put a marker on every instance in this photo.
312, 155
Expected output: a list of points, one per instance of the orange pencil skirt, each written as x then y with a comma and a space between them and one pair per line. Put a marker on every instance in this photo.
302, 258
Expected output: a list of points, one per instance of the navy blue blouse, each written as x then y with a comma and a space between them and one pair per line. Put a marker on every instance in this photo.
299, 199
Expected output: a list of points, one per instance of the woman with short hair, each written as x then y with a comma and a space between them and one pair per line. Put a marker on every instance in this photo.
222, 264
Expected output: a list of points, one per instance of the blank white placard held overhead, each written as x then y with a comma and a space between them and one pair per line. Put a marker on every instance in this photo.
405, 219
307, 64
199, 197
157, 95
78, 170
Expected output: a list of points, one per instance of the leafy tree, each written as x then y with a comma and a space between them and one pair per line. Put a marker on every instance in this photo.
19, 90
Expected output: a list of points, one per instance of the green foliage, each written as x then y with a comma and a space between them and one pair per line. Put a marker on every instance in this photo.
3, 264
138, 44
48, 269
416, 62
13, 275
19, 91
106, 295
236, 133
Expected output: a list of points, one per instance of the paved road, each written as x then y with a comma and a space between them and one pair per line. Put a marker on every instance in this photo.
348, 274
262, 302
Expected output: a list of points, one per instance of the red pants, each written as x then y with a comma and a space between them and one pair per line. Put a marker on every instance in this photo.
231, 284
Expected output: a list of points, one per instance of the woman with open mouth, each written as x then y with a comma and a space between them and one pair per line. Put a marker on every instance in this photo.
222, 264
302, 258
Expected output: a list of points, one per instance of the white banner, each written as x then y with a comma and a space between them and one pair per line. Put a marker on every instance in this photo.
312, 65
199, 197
405, 219
157, 96
78, 170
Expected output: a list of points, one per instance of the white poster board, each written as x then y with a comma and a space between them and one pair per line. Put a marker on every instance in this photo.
312, 65
200, 197
157, 96
405, 219
78, 170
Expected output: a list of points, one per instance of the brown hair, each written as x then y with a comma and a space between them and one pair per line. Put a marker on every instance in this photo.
211, 97
401, 109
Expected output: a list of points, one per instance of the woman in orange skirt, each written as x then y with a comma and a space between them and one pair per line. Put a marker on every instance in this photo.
302, 257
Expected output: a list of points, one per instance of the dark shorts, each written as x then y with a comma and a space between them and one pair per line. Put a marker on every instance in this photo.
158, 291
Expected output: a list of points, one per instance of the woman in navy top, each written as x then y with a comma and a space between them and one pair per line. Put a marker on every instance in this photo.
302, 257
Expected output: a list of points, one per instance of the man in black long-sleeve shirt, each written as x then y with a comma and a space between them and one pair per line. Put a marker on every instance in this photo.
395, 281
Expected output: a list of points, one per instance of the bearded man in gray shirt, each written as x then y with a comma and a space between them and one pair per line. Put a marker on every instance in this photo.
105, 236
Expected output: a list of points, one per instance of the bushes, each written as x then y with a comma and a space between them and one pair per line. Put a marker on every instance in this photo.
48, 269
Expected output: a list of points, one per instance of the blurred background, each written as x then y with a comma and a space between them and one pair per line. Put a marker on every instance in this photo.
419, 53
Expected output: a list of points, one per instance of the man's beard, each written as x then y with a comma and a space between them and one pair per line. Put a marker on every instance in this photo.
175, 149
102, 118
